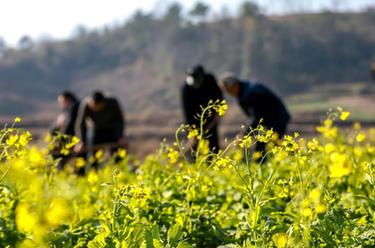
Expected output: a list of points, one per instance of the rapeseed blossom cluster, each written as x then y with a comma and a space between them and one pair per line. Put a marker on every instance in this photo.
309, 192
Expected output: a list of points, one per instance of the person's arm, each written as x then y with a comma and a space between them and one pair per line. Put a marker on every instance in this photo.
56, 126
249, 105
69, 126
80, 124
217, 94
118, 119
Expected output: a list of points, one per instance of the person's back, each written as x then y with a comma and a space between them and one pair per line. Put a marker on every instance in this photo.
66, 120
260, 102
196, 99
106, 116
71, 114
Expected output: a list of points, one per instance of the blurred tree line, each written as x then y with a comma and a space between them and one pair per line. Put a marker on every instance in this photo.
291, 52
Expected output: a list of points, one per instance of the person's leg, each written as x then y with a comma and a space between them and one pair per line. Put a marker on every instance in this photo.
260, 149
213, 139
110, 142
99, 139
280, 129
114, 153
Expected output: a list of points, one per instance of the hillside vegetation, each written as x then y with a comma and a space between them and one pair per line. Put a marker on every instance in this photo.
146, 57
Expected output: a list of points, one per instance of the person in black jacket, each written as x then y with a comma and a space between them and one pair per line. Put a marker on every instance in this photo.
66, 121
198, 90
260, 102
105, 116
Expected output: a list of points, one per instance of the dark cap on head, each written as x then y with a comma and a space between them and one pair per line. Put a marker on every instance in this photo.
68, 95
196, 71
98, 97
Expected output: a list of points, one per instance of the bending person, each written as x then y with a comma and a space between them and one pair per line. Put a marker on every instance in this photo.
261, 103
103, 114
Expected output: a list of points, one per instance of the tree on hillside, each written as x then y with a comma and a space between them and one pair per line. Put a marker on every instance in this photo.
249, 9
25, 42
174, 13
200, 11
3, 45
80, 31
224, 13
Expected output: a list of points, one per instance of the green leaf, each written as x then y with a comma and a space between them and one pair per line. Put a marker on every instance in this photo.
149, 239
156, 232
174, 235
184, 244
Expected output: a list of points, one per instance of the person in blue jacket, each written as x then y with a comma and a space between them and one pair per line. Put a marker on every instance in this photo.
261, 103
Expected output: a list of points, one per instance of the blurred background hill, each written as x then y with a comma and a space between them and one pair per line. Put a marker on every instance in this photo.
146, 57
315, 60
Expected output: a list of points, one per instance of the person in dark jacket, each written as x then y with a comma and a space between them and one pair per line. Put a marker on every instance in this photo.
260, 102
66, 121
64, 126
198, 90
105, 117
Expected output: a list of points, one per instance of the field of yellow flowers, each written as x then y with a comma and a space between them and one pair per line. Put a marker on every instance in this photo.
307, 193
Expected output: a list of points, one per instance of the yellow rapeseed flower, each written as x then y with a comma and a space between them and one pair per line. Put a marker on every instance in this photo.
280, 240
327, 129
329, 148
222, 108
265, 137
58, 213
340, 165
92, 177
25, 220
87, 212
238, 155
360, 137
173, 155
362, 221
344, 115
315, 195
17, 119
35, 156
65, 151
313, 145
281, 154
357, 126
121, 153
99, 154
307, 212
204, 147
222, 163
193, 132
358, 151
75, 140
80, 162
320, 208
12, 139
24, 139
246, 142
258, 155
